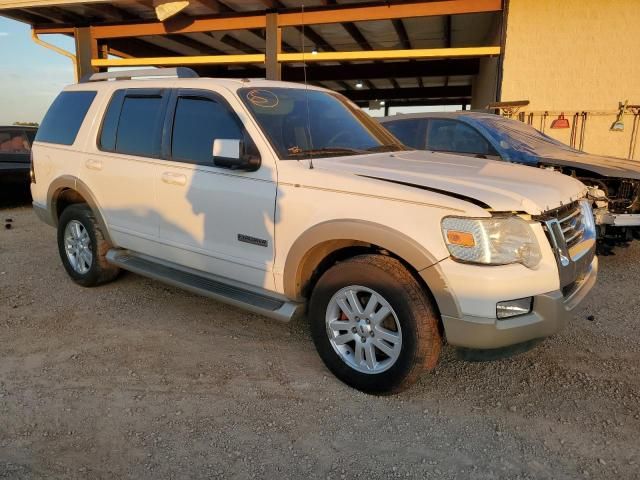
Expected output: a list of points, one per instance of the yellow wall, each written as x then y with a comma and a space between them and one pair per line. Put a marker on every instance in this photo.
574, 56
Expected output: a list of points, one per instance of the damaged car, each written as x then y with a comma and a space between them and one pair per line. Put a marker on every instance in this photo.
613, 183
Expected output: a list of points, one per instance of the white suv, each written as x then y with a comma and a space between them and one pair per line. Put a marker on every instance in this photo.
277, 197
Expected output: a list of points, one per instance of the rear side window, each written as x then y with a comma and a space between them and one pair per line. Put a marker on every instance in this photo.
409, 132
136, 134
65, 117
197, 123
457, 137
133, 121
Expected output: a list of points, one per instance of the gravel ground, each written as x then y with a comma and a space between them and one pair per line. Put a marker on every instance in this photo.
139, 380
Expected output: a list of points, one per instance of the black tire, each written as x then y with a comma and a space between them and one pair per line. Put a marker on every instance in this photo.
100, 270
418, 319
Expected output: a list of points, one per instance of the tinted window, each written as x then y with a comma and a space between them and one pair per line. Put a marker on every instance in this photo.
454, 136
137, 132
197, 123
14, 141
410, 132
64, 118
110, 122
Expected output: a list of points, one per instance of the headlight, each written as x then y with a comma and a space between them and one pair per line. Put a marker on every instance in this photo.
491, 241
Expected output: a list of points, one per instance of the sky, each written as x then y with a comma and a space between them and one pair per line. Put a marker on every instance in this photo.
30, 75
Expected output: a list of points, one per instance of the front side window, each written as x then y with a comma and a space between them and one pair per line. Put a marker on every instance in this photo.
197, 123
454, 136
137, 132
409, 132
64, 118
311, 123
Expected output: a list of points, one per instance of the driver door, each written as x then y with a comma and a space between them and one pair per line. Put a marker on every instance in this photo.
213, 219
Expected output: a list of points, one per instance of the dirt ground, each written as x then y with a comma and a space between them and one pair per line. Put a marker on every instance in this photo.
139, 380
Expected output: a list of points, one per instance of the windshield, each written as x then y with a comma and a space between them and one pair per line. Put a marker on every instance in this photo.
311, 123
520, 136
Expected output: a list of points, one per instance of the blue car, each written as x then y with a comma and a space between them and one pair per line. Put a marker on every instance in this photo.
614, 183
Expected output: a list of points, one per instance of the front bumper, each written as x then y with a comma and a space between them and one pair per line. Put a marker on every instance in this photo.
551, 312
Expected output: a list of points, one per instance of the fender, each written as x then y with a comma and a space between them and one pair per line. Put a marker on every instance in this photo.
73, 183
314, 244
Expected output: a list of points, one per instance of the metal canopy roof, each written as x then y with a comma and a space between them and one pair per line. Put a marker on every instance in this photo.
441, 80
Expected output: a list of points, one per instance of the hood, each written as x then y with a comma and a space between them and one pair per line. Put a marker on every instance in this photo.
520, 142
605, 166
501, 186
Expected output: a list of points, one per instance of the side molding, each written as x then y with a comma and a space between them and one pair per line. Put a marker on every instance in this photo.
320, 240
70, 182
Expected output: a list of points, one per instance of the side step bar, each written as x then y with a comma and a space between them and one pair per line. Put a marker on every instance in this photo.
209, 286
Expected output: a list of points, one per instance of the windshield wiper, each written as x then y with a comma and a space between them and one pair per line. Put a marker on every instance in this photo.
388, 147
328, 151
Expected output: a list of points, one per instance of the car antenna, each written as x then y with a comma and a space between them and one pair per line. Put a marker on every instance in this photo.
306, 90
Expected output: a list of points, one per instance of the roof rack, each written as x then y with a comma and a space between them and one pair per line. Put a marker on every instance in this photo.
179, 72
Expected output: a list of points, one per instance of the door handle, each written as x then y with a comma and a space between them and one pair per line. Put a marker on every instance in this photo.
174, 178
93, 164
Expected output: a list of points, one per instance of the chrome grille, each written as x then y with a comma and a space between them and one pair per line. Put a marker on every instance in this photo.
571, 233
572, 225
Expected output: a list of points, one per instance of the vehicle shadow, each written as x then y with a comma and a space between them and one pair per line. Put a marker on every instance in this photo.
12, 196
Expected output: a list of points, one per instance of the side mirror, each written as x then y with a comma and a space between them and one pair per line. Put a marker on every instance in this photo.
230, 153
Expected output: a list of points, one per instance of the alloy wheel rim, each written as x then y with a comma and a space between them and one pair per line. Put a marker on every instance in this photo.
363, 329
77, 246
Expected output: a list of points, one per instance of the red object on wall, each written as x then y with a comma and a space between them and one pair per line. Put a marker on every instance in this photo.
560, 122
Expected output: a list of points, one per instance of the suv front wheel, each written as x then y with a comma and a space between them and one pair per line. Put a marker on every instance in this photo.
373, 324
82, 247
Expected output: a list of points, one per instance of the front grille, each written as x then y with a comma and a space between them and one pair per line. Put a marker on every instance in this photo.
627, 190
571, 224
571, 233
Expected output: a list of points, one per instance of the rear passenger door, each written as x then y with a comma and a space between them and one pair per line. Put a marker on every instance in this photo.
214, 219
120, 170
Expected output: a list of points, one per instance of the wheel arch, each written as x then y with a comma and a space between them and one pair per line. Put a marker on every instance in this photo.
322, 245
67, 190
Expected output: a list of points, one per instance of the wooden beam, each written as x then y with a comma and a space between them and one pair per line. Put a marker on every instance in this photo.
187, 60
389, 11
299, 57
273, 47
86, 50
291, 19
392, 54
364, 71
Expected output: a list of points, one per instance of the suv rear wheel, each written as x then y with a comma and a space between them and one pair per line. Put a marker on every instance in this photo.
82, 247
373, 325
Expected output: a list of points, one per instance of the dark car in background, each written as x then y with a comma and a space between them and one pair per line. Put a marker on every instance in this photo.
614, 183
15, 155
